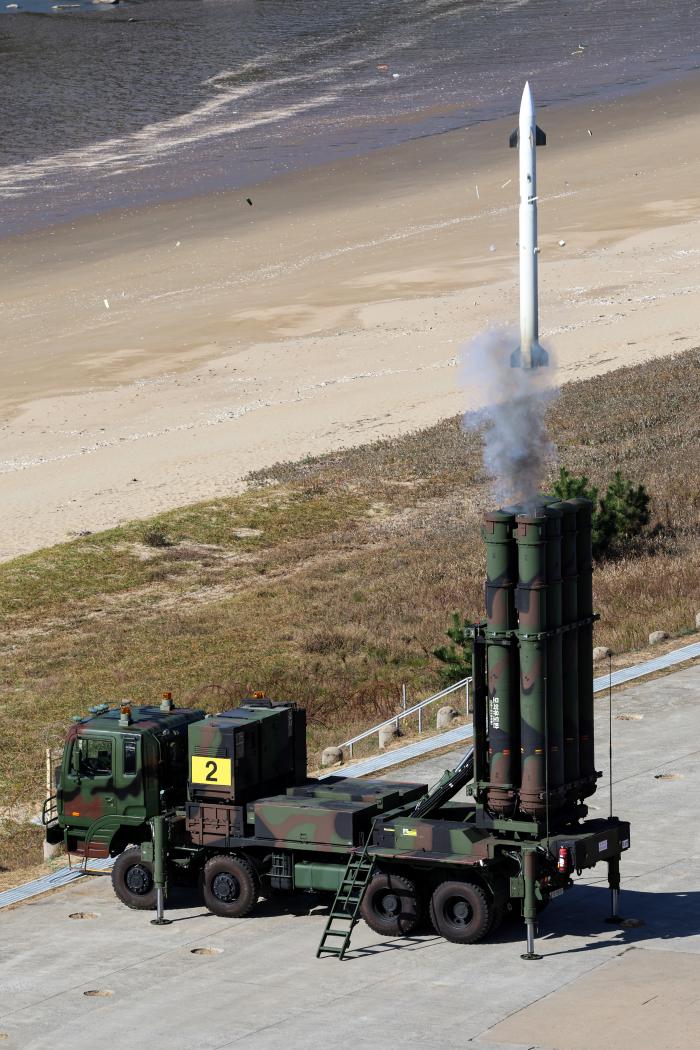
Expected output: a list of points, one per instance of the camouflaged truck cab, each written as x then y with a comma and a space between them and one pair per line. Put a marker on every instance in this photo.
120, 768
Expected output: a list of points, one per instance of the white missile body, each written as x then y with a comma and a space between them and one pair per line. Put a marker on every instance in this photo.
528, 136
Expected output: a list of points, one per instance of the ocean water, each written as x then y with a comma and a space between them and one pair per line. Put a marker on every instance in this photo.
107, 106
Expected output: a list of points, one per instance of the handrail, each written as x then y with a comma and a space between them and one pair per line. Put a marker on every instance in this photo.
49, 810
464, 683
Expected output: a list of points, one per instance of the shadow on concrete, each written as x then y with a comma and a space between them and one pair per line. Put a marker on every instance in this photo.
405, 944
583, 911
580, 913
184, 898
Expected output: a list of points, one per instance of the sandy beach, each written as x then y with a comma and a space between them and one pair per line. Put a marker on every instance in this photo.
152, 358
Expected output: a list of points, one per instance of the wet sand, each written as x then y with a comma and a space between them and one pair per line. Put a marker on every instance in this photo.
332, 310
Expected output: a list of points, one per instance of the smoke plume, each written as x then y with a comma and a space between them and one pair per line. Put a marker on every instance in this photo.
511, 411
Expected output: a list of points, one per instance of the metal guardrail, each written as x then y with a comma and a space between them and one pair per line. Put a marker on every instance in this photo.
658, 663
418, 709
386, 759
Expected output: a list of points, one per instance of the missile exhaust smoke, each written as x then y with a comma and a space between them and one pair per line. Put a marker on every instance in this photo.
513, 401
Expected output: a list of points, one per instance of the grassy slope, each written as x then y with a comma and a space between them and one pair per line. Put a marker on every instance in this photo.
330, 581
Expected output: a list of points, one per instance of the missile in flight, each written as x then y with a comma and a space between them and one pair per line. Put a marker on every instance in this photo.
527, 137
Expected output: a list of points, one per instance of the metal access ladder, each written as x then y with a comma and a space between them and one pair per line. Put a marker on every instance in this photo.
345, 911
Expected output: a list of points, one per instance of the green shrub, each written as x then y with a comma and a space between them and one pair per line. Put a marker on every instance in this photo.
154, 535
619, 517
456, 658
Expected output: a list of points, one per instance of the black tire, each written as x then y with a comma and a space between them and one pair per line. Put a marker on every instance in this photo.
132, 879
230, 886
390, 905
499, 914
461, 912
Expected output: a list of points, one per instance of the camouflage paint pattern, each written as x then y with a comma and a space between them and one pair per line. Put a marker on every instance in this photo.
531, 602
445, 841
140, 772
321, 821
554, 684
503, 710
584, 566
570, 642
256, 749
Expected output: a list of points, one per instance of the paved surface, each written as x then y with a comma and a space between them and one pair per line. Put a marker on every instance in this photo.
263, 987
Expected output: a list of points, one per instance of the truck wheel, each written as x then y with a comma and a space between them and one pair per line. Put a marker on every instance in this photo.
460, 912
390, 905
230, 886
132, 879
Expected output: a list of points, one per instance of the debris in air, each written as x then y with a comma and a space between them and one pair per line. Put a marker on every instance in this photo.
106, 302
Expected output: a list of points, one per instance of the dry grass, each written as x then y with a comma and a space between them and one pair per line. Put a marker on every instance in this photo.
20, 850
330, 581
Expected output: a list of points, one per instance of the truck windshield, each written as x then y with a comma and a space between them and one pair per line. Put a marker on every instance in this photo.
94, 757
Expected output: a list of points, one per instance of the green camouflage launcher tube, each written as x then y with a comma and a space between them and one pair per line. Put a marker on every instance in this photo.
501, 661
584, 559
538, 601
569, 587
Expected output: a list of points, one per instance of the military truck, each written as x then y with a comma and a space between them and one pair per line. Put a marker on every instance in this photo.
240, 815
226, 801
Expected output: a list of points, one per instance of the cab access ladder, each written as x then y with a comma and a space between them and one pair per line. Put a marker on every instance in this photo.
345, 912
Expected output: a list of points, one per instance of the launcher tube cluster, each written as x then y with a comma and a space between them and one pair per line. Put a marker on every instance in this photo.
539, 672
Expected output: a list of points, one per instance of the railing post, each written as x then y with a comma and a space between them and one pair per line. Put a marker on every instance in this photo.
466, 691
420, 720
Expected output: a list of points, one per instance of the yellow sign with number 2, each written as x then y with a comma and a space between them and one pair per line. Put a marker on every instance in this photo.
211, 770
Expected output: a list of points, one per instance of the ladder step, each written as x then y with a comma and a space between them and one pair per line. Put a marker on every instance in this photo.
346, 906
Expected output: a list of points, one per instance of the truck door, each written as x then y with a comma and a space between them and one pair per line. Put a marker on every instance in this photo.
130, 799
89, 783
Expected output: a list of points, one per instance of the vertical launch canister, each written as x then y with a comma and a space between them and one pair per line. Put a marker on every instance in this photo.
501, 662
570, 642
584, 565
531, 602
538, 601
553, 685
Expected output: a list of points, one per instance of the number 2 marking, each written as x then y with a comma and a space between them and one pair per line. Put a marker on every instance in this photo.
206, 770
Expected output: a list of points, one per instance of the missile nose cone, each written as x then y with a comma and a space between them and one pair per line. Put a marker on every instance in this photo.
527, 103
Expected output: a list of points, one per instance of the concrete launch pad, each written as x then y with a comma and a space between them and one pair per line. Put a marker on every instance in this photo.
206, 983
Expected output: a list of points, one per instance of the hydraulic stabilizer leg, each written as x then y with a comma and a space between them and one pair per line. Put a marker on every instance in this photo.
530, 902
614, 884
159, 870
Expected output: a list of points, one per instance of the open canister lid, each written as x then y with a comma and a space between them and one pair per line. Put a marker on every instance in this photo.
498, 526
